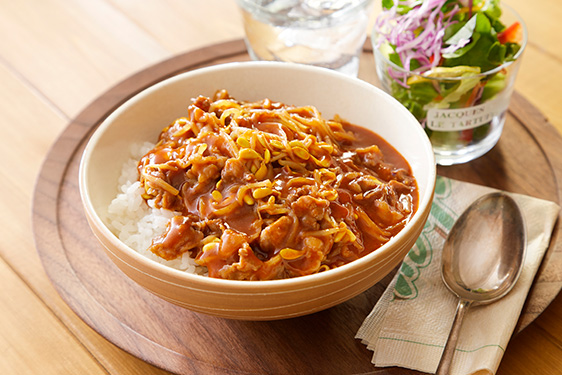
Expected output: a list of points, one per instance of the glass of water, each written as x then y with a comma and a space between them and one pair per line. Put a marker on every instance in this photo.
326, 33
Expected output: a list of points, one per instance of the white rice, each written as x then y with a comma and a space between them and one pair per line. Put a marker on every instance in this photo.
134, 222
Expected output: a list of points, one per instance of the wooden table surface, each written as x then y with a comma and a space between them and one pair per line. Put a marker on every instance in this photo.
56, 56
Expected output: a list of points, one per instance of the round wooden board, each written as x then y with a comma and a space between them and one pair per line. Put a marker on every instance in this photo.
528, 160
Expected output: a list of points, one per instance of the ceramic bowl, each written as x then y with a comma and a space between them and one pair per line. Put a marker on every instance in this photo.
142, 118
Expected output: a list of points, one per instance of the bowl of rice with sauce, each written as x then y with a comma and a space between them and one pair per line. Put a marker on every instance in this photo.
258, 190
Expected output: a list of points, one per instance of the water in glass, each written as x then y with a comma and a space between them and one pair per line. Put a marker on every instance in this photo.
327, 33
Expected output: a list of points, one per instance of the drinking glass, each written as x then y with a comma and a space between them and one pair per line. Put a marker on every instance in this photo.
464, 126
326, 33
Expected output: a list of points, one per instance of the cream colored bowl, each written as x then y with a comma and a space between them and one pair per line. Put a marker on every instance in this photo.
142, 118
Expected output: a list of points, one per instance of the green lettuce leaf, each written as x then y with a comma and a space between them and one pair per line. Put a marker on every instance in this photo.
479, 51
465, 32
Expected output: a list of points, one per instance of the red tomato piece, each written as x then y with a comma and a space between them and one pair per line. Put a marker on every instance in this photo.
512, 34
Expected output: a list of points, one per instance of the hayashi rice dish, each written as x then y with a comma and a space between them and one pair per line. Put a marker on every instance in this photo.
264, 190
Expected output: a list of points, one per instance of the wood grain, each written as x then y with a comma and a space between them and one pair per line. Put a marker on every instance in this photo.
65, 49
178, 33
40, 333
185, 342
31, 318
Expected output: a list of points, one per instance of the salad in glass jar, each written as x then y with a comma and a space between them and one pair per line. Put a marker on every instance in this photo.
452, 63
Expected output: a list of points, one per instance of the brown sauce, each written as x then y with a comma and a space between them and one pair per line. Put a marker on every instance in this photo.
266, 190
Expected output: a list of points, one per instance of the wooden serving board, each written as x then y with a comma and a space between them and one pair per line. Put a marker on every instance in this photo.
527, 159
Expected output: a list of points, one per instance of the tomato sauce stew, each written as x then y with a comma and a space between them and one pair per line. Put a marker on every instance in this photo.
264, 190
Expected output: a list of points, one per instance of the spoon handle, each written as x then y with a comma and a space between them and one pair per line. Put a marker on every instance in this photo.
449, 351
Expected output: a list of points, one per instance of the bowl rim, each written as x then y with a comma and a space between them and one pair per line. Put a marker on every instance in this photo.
266, 286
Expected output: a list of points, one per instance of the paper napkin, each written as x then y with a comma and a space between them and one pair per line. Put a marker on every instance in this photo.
410, 323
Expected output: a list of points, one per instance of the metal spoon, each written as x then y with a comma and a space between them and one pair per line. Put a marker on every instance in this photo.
482, 258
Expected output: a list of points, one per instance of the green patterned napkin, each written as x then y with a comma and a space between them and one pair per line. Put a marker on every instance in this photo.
410, 323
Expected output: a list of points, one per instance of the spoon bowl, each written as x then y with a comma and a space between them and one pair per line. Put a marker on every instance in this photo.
482, 258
